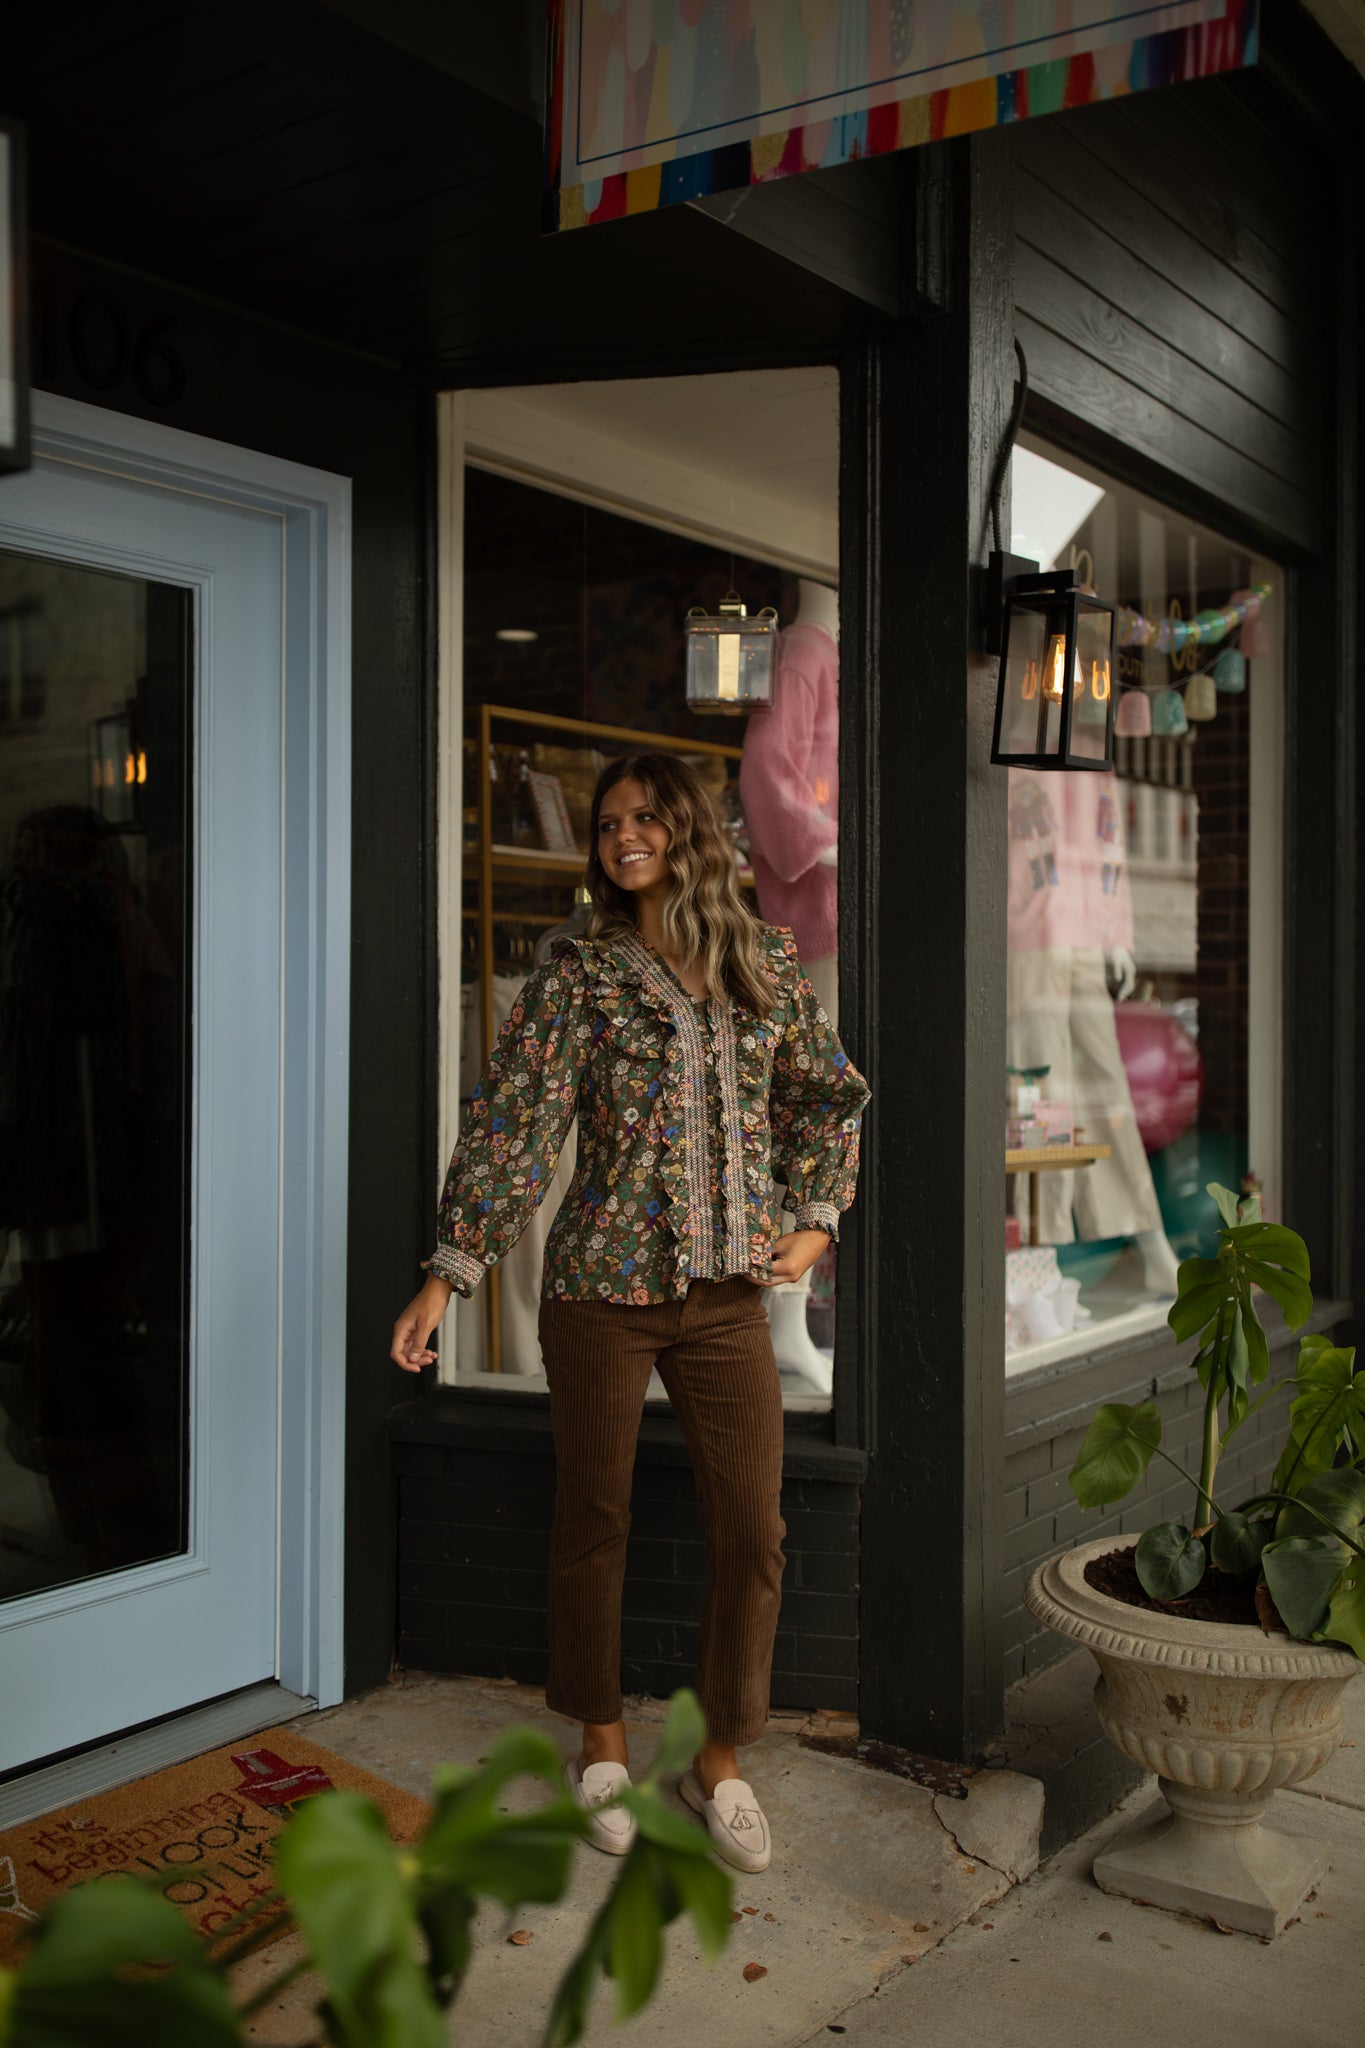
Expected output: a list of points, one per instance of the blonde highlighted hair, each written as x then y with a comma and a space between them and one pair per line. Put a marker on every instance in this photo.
705, 916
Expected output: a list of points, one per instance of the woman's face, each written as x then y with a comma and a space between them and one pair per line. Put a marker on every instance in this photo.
631, 839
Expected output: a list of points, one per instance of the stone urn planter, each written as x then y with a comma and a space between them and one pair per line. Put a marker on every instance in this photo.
1226, 1716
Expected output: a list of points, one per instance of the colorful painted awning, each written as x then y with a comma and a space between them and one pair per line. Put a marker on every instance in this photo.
656, 101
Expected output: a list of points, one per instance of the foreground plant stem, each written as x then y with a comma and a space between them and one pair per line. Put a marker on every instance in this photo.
1204, 1508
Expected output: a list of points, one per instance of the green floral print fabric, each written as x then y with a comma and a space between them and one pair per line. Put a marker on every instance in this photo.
688, 1116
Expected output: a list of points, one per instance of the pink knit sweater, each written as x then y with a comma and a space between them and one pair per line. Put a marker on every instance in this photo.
789, 786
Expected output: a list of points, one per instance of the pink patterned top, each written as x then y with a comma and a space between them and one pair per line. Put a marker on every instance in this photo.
789, 785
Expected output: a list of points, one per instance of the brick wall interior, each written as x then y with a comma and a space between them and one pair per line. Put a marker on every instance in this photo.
1045, 1432
473, 1535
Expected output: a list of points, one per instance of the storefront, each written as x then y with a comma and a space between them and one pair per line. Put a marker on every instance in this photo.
554, 448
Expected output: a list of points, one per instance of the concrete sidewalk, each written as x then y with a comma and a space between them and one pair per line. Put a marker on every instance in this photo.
872, 1868
894, 1910
1060, 1963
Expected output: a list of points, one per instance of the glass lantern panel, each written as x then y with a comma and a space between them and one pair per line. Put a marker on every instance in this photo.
1093, 682
1030, 723
729, 667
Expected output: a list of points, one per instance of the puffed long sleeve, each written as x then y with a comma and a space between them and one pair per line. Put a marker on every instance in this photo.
815, 1109
517, 1121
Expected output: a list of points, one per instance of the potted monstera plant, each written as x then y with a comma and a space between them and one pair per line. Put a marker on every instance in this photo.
1225, 1642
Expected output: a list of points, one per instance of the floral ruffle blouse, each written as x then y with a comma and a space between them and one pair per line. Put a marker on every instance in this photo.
689, 1111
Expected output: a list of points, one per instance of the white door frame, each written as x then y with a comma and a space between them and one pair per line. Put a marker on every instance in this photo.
314, 508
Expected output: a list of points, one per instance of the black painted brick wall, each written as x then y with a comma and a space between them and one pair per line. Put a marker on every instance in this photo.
1045, 1427
473, 1536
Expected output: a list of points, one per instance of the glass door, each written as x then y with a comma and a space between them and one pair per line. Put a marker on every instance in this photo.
95, 885
141, 1073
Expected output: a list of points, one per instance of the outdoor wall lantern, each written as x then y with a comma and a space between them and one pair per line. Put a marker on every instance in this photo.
730, 657
1055, 694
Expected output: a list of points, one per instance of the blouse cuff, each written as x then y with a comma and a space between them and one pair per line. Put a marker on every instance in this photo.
463, 1271
817, 1216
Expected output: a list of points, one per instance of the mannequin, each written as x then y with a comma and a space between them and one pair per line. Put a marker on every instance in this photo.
789, 786
1070, 944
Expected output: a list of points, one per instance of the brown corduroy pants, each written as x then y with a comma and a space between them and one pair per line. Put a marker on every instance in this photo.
715, 1357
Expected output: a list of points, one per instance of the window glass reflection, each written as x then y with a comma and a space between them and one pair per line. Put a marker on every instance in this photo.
94, 708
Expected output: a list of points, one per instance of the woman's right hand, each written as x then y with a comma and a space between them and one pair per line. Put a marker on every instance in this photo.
412, 1331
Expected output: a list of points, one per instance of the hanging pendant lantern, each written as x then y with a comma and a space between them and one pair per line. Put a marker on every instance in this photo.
1254, 639
730, 657
1168, 715
1201, 697
1055, 700
1230, 672
1133, 719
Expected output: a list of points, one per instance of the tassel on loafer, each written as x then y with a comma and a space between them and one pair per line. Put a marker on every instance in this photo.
734, 1820
610, 1828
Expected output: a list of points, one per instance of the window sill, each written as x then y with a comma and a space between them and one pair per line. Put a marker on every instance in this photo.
519, 1386
1063, 1396
1058, 1353
470, 1417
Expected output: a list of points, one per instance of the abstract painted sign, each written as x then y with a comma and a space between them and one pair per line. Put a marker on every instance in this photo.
652, 102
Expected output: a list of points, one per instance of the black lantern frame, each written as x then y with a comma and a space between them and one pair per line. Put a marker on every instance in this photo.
15, 433
1068, 628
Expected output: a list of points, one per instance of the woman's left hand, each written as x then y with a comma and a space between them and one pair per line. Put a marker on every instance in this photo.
793, 1255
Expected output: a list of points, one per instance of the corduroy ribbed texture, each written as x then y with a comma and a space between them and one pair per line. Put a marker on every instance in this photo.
715, 1357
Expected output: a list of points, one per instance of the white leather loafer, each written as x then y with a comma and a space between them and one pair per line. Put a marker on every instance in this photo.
734, 1820
609, 1827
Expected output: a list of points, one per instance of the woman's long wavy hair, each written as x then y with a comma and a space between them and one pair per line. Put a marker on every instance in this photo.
705, 916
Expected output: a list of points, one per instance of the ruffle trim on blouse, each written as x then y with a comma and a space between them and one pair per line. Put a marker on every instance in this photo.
613, 964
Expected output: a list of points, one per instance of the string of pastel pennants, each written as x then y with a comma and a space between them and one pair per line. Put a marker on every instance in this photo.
1169, 712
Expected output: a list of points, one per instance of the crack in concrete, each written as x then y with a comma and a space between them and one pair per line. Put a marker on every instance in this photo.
968, 1855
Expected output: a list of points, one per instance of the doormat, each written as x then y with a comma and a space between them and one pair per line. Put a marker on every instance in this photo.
220, 1812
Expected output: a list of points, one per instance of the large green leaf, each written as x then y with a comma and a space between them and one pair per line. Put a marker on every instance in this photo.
1345, 1622
1239, 1360
1294, 1295
93, 1929
1236, 1541
1225, 1202
342, 1876
659, 1823
518, 1858
1274, 1244
1170, 1561
70, 1992
568, 2012
634, 1940
1328, 1410
445, 1917
684, 1734
1303, 1573
1335, 1498
1258, 1351
706, 1892
1204, 1285
1117, 1450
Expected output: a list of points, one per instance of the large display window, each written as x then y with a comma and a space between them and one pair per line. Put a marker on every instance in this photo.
582, 524
1143, 1047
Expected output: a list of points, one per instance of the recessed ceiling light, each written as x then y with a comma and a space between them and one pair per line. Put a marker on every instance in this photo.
519, 634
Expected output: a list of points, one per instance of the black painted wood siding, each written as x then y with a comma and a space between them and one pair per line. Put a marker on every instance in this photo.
1173, 296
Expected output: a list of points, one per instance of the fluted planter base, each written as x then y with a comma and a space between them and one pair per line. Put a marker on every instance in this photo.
1218, 1860
1225, 1716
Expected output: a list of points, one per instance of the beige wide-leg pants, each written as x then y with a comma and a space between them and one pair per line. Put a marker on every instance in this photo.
1061, 1016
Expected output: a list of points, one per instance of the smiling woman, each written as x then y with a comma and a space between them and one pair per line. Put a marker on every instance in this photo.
597, 519
685, 1038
